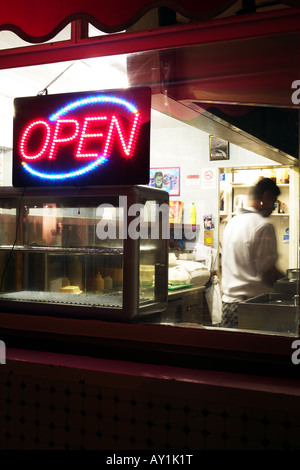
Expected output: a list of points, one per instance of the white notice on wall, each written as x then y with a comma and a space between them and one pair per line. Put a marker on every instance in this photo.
192, 180
209, 178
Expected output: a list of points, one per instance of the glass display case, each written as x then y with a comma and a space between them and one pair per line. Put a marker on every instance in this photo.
85, 253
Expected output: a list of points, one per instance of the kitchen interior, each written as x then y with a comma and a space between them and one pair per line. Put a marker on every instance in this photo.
205, 188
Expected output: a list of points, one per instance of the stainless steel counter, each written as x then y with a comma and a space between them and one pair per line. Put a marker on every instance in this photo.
185, 305
273, 312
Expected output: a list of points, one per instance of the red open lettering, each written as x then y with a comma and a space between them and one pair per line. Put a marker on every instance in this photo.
84, 135
27, 134
114, 127
56, 140
68, 130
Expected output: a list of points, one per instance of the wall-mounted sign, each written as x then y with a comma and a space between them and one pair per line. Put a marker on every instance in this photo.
209, 178
167, 179
82, 139
209, 238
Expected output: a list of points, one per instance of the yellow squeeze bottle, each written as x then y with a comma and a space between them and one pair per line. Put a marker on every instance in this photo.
193, 216
108, 283
99, 282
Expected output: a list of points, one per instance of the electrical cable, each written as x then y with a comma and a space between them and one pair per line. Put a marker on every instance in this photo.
45, 90
42, 92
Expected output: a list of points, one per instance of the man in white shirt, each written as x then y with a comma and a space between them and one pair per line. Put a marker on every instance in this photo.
249, 252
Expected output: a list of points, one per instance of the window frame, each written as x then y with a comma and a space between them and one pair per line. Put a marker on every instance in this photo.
204, 342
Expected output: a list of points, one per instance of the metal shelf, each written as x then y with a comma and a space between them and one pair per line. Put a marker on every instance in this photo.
54, 250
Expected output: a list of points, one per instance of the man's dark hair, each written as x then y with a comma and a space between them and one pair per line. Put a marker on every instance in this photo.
264, 185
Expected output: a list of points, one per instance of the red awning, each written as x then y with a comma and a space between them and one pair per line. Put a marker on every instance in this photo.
40, 20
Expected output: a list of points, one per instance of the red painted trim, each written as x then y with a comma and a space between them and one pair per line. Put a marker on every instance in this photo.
210, 339
226, 29
215, 382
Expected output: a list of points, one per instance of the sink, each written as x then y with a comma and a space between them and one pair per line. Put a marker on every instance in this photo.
287, 285
272, 312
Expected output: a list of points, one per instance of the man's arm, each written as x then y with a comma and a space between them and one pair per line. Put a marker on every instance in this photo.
272, 275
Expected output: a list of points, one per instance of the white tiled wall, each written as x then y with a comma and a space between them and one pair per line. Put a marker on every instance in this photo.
177, 144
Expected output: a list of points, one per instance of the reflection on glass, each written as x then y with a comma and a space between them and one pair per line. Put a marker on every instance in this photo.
58, 252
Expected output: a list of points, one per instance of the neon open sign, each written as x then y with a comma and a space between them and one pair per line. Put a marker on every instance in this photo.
95, 138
